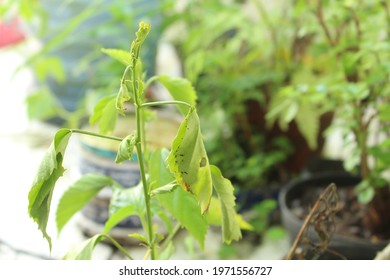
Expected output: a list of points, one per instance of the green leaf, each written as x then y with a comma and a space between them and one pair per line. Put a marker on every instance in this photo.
214, 216
115, 218
381, 153
159, 174
84, 250
50, 66
41, 105
189, 162
49, 171
120, 55
276, 232
125, 203
166, 218
105, 113
126, 147
365, 192
78, 195
180, 204
167, 253
185, 209
133, 196
223, 187
290, 113
279, 105
180, 89
366, 195
384, 112
139, 237
164, 189
308, 124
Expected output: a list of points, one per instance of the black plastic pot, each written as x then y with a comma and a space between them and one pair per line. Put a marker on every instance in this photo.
351, 248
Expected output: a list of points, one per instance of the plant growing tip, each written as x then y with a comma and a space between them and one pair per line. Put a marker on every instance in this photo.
143, 31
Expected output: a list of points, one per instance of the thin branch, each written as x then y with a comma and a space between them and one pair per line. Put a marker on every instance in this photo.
170, 236
272, 30
387, 11
117, 245
80, 131
171, 102
321, 20
356, 21
323, 197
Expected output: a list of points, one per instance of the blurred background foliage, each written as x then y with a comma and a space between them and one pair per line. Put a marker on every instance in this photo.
263, 70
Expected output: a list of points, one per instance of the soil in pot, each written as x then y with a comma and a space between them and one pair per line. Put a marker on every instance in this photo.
350, 220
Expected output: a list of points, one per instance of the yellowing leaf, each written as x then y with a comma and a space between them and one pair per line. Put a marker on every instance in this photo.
189, 162
308, 123
230, 224
181, 205
123, 96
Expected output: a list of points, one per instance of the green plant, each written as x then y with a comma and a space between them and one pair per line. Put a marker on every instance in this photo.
179, 183
355, 38
239, 67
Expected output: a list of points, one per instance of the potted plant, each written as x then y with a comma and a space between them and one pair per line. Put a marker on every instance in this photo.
358, 90
180, 186
254, 51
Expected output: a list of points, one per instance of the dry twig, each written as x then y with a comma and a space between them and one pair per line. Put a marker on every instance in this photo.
321, 217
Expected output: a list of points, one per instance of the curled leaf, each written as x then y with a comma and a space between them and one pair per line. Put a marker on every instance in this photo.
189, 162
83, 251
49, 171
126, 147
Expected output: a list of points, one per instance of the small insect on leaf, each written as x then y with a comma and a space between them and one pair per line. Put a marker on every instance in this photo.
188, 160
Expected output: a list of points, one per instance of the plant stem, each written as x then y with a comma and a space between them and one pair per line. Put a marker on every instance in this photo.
116, 244
79, 131
141, 162
321, 21
271, 28
159, 103
323, 197
170, 236
150, 81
